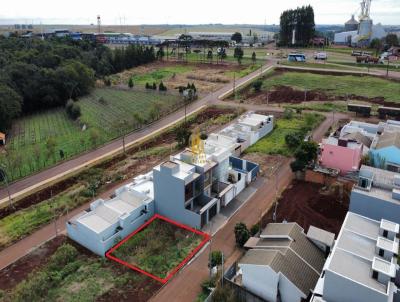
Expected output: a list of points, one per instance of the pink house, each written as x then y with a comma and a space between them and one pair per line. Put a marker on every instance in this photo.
342, 154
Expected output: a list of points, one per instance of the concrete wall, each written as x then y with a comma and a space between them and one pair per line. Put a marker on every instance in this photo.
374, 208
260, 280
289, 292
339, 289
169, 196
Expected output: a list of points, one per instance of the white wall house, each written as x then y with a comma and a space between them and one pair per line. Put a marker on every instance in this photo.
362, 264
281, 265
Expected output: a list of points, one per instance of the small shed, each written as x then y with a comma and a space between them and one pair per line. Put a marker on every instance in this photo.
2, 139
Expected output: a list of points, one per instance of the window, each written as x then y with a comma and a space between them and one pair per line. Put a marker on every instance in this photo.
385, 233
189, 191
381, 252
375, 275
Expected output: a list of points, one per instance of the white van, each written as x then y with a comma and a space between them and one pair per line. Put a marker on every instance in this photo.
320, 56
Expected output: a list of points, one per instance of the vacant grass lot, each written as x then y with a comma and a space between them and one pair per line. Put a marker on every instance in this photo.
106, 114
161, 74
364, 86
158, 248
274, 143
320, 106
321, 65
70, 275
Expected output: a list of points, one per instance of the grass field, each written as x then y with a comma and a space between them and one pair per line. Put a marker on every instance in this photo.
106, 113
274, 143
70, 275
320, 106
161, 74
160, 256
317, 65
366, 86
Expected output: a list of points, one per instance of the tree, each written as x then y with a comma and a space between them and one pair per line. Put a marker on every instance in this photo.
306, 153
10, 106
182, 136
73, 110
392, 40
257, 85
162, 87
94, 136
288, 114
377, 45
237, 37
130, 83
50, 147
254, 57
255, 229
242, 234
216, 258
238, 54
154, 86
293, 140
160, 53
301, 20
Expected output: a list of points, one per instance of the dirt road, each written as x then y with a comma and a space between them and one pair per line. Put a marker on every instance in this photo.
186, 285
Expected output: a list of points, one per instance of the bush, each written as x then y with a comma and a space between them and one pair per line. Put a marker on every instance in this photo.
257, 85
216, 258
255, 229
130, 83
182, 136
288, 114
242, 234
73, 109
148, 86
293, 140
162, 87
154, 87
107, 81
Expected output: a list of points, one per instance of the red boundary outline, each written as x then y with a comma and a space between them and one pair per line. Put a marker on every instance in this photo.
205, 236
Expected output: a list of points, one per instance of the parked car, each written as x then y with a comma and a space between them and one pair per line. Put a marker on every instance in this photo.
320, 55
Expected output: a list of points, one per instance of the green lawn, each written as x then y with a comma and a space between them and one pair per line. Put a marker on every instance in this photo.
161, 74
106, 113
320, 106
364, 86
160, 256
317, 65
392, 66
274, 143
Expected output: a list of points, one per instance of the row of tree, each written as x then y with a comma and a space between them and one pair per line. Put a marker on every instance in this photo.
36, 74
300, 22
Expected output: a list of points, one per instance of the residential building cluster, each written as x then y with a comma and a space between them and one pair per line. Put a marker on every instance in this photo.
345, 149
191, 187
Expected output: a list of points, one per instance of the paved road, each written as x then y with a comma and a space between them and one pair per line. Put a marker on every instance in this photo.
36, 181
185, 286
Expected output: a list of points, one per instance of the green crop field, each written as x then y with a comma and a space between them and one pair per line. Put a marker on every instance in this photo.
274, 143
363, 86
106, 114
160, 74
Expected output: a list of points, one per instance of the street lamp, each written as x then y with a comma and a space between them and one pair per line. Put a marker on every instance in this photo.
4, 177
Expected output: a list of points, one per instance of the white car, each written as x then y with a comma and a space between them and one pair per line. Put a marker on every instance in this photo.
320, 56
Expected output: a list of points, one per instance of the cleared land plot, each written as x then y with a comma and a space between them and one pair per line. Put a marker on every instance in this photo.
308, 204
295, 87
106, 114
60, 270
274, 143
159, 248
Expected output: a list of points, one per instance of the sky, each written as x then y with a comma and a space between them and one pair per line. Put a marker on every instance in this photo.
132, 12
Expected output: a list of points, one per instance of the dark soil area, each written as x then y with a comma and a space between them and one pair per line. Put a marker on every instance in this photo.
139, 288
308, 204
164, 138
19, 270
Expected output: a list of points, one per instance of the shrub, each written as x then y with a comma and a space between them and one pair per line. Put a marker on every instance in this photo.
107, 81
182, 136
257, 85
130, 83
288, 114
242, 234
162, 87
293, 140
255, 229
148, 86
216, 258
154, 87
73, 109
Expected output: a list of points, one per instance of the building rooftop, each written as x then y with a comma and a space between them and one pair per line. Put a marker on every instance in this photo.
286, 249
354, 255
388, 139
320, 235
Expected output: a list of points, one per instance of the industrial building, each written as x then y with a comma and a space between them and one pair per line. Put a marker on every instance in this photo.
283, 263
360, 33
363, 263
191, 187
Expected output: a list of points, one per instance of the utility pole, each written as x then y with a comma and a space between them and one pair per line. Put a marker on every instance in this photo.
387, 69
276, 197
